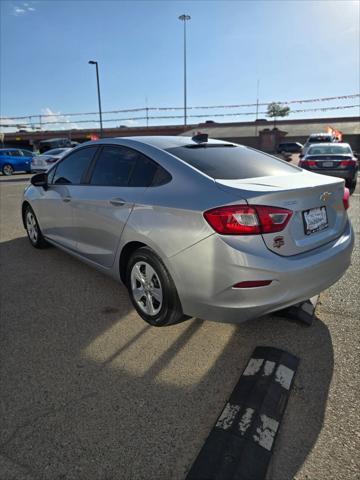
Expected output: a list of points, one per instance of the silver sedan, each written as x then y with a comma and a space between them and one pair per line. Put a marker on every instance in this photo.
193, 226
41, 163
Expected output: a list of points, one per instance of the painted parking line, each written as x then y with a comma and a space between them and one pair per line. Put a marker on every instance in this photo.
240, 445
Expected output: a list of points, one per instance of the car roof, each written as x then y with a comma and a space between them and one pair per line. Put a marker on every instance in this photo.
322, 134
329, 144
162, 142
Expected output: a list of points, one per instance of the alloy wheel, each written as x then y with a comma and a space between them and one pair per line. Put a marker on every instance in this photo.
31, 227
8, 170
146, 288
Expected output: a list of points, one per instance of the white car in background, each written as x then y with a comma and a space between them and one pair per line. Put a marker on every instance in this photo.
318, 138
41, 163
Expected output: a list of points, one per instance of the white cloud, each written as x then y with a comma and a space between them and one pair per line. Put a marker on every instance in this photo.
130, 123
7, 123
22, 9
55, 120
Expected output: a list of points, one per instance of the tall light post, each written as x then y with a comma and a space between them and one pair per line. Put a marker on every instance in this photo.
93, 62
184, 18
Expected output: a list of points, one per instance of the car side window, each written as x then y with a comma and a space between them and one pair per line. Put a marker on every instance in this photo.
121, 166
143, 173
114, 166
72, 168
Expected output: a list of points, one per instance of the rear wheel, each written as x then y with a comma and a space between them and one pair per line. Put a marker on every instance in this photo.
7, 170
33, 230
152, 290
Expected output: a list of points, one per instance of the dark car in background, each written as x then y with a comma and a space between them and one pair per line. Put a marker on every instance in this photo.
334, 159
14, 160
290, 147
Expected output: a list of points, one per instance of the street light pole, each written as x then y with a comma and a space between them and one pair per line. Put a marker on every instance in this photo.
184, 18
93, 62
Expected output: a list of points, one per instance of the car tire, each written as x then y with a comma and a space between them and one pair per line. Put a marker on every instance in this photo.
33, 231
7, 170
152, 290
352, 186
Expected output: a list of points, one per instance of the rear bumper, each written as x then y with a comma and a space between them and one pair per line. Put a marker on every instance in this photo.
205, 273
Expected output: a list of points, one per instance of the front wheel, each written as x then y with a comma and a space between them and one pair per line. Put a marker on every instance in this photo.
33, 230
152, 290
7, 170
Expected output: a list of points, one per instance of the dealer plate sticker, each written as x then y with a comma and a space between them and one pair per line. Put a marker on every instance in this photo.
315, 220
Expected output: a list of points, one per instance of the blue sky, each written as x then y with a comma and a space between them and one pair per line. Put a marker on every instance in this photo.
297, 49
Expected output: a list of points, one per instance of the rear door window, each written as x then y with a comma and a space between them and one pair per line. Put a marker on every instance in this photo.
114, 167
124, 167
232, 162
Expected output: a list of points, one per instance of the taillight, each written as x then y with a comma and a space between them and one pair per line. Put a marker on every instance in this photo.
307, 163
247, 220
346, 198
348, 163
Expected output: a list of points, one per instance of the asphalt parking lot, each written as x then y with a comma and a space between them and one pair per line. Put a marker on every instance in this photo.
90, 392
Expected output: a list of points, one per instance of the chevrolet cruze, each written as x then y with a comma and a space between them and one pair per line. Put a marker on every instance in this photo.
194, 226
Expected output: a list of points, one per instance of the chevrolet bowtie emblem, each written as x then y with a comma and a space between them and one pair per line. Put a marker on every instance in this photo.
324, 197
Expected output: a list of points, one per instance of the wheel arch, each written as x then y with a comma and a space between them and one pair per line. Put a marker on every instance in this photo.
125, 255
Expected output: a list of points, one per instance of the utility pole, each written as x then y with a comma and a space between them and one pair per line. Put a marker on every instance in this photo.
93, 62
257, 107
184, 18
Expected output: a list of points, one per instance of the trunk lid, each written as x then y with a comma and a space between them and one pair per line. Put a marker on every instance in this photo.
300, 192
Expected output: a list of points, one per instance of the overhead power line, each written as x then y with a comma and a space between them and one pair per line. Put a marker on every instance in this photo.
200, 107
164, 117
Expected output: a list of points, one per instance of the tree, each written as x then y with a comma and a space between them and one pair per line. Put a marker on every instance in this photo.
276, 110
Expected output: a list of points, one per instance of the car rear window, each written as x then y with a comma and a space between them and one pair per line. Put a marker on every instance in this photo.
229, 162
329, 150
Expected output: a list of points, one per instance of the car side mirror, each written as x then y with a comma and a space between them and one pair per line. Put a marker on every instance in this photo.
40, 180
356, 155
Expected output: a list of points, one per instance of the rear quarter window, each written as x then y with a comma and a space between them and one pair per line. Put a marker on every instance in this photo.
232, 162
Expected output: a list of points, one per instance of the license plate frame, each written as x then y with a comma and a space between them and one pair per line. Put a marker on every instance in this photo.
327, 164
311, 226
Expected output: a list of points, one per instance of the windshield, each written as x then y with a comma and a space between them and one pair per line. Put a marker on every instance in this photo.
232, 162
330, 150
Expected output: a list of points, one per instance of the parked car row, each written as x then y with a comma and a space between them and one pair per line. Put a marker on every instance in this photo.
19, 160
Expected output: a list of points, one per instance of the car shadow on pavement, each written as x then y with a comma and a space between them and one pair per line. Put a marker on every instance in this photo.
89, 391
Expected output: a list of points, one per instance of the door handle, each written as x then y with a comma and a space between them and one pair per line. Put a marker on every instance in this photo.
117, 202
66, 199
